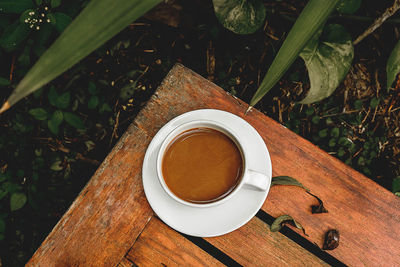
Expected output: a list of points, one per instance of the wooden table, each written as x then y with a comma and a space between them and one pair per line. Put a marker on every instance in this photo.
111, 224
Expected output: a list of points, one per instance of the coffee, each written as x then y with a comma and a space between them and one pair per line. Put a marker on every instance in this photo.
202, 165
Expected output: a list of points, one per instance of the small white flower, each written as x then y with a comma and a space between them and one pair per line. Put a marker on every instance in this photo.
46, 8
26, 21
31, 26
37, 27
40, 20
42, 14
48, 20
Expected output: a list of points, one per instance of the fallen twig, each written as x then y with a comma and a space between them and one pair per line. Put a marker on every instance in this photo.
379, 21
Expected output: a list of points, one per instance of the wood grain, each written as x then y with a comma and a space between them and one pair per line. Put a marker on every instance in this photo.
255, 245
367, 215
126, 263
108, 215
111, 211
159, 245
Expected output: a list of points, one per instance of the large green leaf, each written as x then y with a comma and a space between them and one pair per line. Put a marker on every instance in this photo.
328, 59
309, 22
15, 6
97, 23
240, 16
393, 65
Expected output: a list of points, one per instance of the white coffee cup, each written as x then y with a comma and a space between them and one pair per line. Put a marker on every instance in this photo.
250, 178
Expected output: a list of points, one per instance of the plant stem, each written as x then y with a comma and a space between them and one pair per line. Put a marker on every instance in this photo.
379, 21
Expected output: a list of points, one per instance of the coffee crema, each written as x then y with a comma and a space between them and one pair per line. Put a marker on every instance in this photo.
202, 165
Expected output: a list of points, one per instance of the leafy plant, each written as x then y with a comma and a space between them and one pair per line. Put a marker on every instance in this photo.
328, 58
242, 17
35, 20
311, 19
94, 26
393, 65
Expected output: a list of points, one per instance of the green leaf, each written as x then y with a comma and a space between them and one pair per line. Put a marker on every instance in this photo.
4, 81
93, 27
55, 121
328, 60
358, 104
335, 132
278, 223
74, 120
57, 166
332, 142
15, 6
374, 102
393, 65
348, 6
323, 133
286, 180
17, 201
127, 91
315, 119
62, 101
13, 36
93, 102
104, 108
38, 113
309, 22
53, 96
62, 21
52, 19
25, 15
55, 3
396, 184
43, 35
92, 88
240, 16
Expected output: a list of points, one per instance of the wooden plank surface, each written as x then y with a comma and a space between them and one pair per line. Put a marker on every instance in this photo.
255, 245
108, 215
125, 263
159, 245
111, 212
367, 215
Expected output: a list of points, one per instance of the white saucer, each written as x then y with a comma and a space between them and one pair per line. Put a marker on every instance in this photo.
216, 220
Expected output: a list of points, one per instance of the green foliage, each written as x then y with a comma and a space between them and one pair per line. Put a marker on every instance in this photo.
396, 185
4, 81
306, 26
55, 121
328, 58
17, 201
335, 131
74, 120
38, 113
78, 41
240, 16
393, 65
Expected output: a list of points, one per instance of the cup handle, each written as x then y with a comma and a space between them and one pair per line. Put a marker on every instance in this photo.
257, 180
